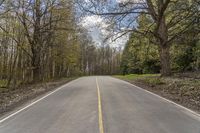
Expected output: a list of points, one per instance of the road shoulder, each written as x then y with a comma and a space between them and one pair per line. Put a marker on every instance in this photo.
181, 91
12, 100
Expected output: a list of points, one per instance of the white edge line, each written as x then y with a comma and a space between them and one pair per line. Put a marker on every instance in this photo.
167, 100
31, 104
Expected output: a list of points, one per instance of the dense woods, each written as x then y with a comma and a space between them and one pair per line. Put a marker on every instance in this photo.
167, 39
154, 44
141, 56
41, 40
164, 34
31, 33
99, 59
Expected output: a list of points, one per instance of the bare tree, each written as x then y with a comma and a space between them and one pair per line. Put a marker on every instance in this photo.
168, 20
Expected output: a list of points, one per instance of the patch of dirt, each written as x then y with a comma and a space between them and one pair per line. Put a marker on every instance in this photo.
12, 98
182, 90
191, 75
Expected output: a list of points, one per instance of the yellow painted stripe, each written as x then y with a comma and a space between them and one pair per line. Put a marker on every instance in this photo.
101, 129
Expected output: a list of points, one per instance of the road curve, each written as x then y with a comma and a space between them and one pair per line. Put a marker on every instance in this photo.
90, 103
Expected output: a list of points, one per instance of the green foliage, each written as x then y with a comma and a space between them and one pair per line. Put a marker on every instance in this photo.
141, 53
196, 54
151, 66
185, 57
140, 56
3, 83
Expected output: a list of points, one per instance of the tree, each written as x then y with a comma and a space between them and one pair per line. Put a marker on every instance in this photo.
169, 20
140, 56
38, 41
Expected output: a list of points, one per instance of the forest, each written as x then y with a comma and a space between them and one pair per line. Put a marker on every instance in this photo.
163, 34
41, 40
170, 44
82, 65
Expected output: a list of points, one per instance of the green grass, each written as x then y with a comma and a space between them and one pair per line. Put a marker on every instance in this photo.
152, 79
136, 76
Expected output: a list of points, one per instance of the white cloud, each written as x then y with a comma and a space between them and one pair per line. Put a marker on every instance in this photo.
124, 1
98, 29
93, 20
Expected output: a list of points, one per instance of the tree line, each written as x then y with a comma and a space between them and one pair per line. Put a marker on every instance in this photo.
41, 40
170, 45
158, 30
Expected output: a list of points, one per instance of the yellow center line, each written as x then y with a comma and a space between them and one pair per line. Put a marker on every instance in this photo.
101, 129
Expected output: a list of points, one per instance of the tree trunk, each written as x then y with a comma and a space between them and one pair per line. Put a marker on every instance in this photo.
36, 66
165, 60
164, 45
36, 44
36, 74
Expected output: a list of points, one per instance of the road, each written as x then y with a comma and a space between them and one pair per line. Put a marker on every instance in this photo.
100, 104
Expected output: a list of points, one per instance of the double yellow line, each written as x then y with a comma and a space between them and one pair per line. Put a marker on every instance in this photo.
101, 129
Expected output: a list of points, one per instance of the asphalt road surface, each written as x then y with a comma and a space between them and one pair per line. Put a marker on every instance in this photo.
100, 104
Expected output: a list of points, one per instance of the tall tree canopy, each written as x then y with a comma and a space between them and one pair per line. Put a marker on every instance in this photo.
164, 21
42, 40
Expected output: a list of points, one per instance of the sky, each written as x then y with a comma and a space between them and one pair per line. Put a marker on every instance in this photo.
99, 31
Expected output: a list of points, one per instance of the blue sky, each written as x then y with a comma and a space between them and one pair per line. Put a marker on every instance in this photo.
99, 29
